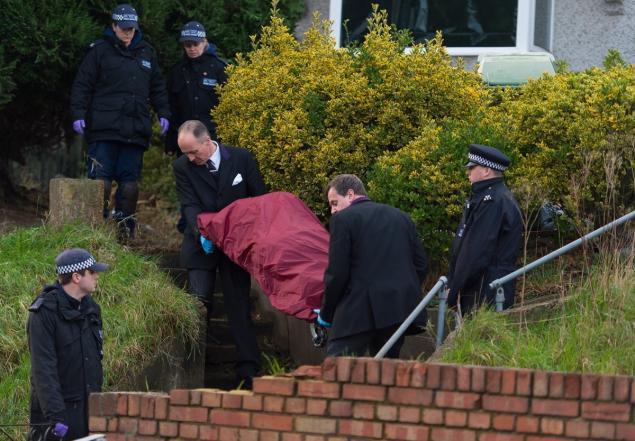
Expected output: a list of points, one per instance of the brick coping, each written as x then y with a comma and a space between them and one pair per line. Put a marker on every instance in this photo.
349, 398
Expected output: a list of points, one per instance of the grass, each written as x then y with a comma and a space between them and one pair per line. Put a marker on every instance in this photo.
592, 330
275, 365
143, 313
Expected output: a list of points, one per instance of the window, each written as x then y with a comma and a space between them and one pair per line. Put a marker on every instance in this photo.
469, 27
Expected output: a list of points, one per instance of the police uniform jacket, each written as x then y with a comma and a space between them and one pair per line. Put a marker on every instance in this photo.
376, 267
486, 244
201, 191
113, 90
192, 86
65, 342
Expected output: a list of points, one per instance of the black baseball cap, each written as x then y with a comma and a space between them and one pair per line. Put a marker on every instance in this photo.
192, 31
125, 16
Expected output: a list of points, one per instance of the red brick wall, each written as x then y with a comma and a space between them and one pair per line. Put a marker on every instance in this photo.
353, 398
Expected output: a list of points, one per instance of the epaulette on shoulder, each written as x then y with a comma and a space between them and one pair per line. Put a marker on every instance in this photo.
37, 304
488, 198
95, 43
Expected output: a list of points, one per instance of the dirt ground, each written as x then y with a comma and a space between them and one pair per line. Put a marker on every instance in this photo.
156, 232
12, 217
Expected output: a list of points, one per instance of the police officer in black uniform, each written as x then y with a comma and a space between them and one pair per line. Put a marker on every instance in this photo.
488, 239
110, 105
65, 341
192, 83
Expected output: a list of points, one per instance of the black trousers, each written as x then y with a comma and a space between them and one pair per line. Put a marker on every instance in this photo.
369, 342
235, 283
75, 417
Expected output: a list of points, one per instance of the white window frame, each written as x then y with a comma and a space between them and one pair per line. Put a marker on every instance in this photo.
524, 31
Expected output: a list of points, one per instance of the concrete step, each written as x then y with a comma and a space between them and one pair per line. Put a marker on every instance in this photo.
219, 331
220, 376
217, 354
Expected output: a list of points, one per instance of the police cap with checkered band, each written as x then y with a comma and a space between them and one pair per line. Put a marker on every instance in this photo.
125, 16
487, 156
77, 259
193, 31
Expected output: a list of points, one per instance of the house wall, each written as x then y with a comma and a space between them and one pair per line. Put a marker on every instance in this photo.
584, 30
353, 398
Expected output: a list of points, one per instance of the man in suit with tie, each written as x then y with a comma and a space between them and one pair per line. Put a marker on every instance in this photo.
209, 176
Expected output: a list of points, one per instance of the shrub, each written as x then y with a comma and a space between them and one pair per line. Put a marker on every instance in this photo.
44, 42
426, 178
157, 178
142, 312
309, 110
573, 133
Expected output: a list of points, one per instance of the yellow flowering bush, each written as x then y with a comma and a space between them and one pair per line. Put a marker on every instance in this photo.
402, 120
309, 110
575, 136
426, 178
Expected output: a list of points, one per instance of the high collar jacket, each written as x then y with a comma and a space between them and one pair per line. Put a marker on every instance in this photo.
113, 90
66, 346
486, 243
192, 88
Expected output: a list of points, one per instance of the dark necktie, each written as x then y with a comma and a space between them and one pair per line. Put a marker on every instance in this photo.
211, 167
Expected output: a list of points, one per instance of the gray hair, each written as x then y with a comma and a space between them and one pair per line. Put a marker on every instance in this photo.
195, 127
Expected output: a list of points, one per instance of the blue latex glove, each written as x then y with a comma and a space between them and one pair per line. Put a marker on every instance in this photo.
59, 430
165, 125
320, 321
78, 126
207, 245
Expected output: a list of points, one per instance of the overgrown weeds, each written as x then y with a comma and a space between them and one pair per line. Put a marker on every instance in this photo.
591, 330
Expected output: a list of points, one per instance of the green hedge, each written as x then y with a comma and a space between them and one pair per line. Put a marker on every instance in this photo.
426, 178
43, 42
574, 135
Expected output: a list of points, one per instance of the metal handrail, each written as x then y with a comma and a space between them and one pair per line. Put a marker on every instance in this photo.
441, 283
498, 283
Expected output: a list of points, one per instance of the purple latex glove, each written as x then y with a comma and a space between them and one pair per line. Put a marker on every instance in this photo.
165, 124
78, 126
59, 430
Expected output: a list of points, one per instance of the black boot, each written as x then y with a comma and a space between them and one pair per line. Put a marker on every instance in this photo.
125, 211
107, 189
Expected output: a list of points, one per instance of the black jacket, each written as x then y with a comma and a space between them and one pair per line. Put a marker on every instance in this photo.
486, 244
199, 191
192, 86
65, 343
376, 267
113, 90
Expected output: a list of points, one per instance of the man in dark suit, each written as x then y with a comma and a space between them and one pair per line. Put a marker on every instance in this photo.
209, 176
376, 267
